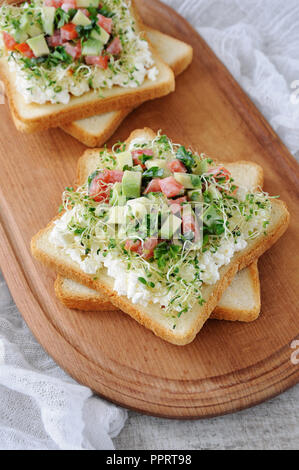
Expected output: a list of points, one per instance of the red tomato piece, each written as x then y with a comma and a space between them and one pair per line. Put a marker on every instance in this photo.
135, 246
9, 41
136, 154
68, 32
55, 40
115, 176
170, 187
98, 60
73, 50
115, 47
53, 3
68, 4
105, 23
219, 172
175, 166
176, 204
100, 186
153, 186
25, 50
190, 225
148, 248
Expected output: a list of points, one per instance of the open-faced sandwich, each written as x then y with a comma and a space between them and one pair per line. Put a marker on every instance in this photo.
64, 60
160, 230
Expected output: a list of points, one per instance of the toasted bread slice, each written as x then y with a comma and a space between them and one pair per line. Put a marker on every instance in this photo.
152, 316
240, 302
35, 117
96, 130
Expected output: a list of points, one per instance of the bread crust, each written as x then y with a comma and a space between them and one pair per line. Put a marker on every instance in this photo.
59, 114
241, 260
247, 315
91, 140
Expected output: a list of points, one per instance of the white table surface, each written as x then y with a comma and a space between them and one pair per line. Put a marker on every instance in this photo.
272, 425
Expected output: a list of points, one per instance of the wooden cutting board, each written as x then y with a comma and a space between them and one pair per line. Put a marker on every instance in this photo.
229, 366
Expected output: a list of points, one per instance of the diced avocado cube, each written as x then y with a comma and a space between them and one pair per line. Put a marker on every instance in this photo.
117, 215
24, 23
100, 35
131, 184
87, 3
34, 29
20, 36
214, 193
92, 47
159, 164
124, 159
187, 180
48, 15
38, 45
195, 195
170, 227
211, 215
80, 19
202, 166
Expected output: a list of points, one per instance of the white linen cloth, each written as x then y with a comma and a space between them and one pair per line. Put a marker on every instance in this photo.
40, 406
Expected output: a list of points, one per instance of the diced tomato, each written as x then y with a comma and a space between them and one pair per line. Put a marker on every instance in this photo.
176, 204
9, 41
219, 172
135, 246
170, 187
99, 189
55, 40
148, 248
68, 4
53, 3
73, 50
175, 166
153, 186
136, 154
68, 32
115, 47
99, 60
190, 225
105, 23
25, 50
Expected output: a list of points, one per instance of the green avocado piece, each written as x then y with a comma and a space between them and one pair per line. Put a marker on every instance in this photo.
124, 159
187, 180
20, 36
48, 15
38, 45
100, 35
195, 195
170, 227
214, 193
202, 166
80, 19
24, 23
92, 47
34, 29
159, 164
131, 184
87, 3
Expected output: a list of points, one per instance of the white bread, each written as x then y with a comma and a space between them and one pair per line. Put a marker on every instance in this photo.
151, 316
96, 130
240, 302
35, 117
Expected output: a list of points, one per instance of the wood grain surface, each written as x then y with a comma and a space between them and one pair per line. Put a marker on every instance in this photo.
229, 366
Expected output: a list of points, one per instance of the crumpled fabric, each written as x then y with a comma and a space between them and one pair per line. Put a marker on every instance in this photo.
41, 407
258, 41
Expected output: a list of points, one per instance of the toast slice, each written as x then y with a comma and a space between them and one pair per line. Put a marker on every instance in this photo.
96, 130
152, 316
36, 117
240, 302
